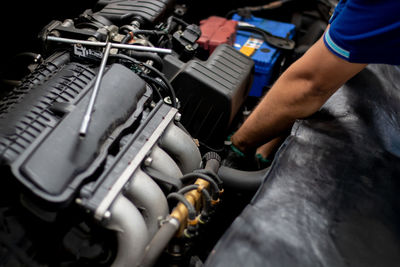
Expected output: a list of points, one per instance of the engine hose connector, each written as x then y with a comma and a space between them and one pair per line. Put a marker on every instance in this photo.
190, 208
216, 178
180, 212
197, 175
193, 222
213, 175
192, 228
215, 202
207, 208
190, 232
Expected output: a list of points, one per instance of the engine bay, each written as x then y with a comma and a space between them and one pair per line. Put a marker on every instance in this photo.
114, 132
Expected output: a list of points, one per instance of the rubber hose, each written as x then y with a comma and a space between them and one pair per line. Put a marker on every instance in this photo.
158, 62
241, 180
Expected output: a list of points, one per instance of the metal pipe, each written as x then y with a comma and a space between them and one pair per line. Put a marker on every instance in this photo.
177, 220
159, 242
126, 175
163, 163
113, 45
131, 230
95, 92
182, 148
147, 195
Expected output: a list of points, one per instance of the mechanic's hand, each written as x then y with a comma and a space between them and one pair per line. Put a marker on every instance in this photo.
262, 162
236, 159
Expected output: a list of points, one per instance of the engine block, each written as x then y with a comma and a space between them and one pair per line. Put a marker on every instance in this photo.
138, 178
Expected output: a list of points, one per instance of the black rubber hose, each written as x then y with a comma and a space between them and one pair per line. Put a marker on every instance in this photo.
149, 32
167, 83
241, 180
188, 188
269, 6
273, 40
170, 19
212, 175
152, 83
126, 38
158, 62
194, 175
188, 205
204, 192
34, 56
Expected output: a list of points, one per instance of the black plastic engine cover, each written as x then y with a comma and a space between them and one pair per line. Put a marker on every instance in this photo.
124, 11
58, 161
211, 92
25, 112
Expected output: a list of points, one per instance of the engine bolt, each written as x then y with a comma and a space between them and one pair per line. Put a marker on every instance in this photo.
178, 116
148, 161
189, 47
107, 215
135, 24
68, 23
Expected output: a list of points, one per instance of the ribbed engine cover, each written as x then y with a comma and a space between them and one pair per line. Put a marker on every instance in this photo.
40, 130
124, 11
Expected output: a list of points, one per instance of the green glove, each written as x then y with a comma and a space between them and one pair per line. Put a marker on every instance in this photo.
234, 148
237, 159
262, 162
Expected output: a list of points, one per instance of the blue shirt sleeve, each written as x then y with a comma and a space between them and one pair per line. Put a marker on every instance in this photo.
365, 31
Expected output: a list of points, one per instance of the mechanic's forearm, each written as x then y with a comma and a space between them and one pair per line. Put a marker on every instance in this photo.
291, 97
301, 91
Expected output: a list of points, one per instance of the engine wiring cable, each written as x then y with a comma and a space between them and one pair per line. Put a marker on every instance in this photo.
206, 195
249, 9
276, 41
217, 150
181, 198
193, 175
165, 39
156, 71
143, 56
127, 38
37, 58
157, 33
13, 83
183, 128
212, 175
150, 32
153, 83
130, 35
173, 18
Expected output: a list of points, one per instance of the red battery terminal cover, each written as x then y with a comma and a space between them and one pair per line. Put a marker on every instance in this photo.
215, 31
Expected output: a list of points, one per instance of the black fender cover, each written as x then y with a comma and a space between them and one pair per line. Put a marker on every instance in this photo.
331, 197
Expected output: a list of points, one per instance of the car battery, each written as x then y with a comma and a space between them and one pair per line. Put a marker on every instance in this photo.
215, 31
264, 55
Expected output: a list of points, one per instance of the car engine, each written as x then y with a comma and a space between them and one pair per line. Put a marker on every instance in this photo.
111, 146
